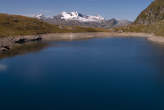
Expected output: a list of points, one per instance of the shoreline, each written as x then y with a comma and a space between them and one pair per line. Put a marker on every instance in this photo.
78, 36
8, 43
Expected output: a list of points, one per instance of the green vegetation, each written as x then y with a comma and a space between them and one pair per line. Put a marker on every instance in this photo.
15, 25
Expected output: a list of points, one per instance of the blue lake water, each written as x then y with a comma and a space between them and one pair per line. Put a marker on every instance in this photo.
96, 74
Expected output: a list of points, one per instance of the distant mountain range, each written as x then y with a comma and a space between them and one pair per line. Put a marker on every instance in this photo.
78, 19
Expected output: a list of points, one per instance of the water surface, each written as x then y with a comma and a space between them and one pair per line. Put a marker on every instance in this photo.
95, 74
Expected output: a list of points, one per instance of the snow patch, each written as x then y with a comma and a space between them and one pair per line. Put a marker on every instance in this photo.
80, 17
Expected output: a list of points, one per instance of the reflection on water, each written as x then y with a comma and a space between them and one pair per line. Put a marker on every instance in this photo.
96, 74
24, 49
3, 67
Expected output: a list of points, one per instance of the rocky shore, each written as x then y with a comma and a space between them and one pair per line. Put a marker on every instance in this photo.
8, 43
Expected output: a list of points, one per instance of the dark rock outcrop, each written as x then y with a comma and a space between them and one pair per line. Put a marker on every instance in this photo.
24, 40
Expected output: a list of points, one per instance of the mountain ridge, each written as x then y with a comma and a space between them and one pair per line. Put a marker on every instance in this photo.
78, 19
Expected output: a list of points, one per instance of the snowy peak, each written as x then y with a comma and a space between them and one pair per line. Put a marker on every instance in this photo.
77, 19
40, 16
69, 16
80, 17
74, 16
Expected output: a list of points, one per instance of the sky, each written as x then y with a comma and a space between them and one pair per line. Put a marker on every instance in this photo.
120, 9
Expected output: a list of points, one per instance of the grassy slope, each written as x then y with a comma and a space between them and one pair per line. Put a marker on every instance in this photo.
153, 13
151, 20
14, 25
156, 28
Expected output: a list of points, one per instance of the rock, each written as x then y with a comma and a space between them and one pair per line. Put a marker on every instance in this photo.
20, 41
39, 38
4, 49
25, 40
8, 43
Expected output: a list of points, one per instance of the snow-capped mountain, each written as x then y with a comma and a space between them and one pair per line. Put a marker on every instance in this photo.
80, 17
77, 19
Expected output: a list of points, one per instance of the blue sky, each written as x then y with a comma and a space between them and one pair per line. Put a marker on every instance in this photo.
120, 9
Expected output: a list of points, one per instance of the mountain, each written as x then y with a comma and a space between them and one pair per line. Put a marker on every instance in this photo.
78, 19
15, 25
151, 20
153, 13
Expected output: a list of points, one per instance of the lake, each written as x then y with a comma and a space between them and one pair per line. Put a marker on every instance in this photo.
96, 74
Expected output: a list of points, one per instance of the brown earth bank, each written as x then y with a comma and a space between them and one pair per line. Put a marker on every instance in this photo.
8, 43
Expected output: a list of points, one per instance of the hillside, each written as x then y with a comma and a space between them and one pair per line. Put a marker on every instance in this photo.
156, 28
153, 13
14, 25
151, 20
